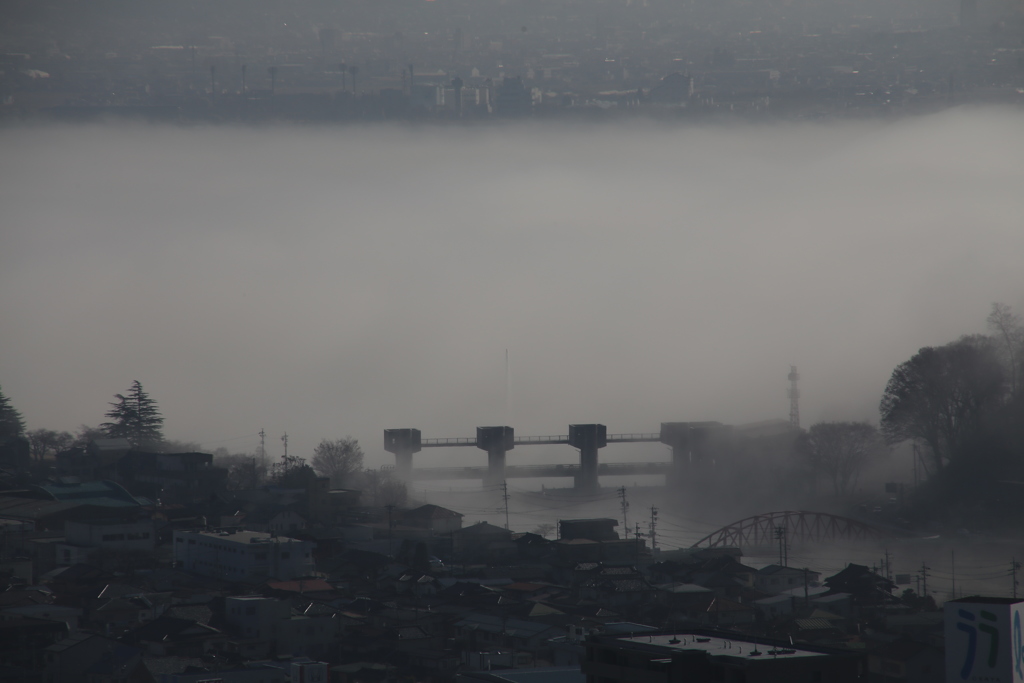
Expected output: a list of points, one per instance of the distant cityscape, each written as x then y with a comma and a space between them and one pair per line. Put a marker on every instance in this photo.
452, 61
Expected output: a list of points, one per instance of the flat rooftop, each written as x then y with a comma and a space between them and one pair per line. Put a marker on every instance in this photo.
241, 536
721, 647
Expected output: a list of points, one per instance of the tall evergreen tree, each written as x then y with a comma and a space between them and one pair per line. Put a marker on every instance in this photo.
11, 423
135, 417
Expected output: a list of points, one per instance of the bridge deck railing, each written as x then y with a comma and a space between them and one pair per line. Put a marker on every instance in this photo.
540, 471
436, 443
541, 439
632, 438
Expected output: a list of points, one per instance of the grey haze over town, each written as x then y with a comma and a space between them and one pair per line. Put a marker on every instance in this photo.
326, 282
524, 341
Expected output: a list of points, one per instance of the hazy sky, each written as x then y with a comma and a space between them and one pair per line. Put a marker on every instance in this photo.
338, 281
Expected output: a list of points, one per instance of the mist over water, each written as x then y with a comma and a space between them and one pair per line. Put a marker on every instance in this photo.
342, 280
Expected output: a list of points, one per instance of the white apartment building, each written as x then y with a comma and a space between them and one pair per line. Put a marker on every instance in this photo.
249, 556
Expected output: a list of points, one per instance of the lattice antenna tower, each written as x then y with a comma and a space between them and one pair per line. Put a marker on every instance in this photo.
794, 398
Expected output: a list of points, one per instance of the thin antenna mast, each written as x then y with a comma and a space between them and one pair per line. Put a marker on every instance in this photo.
794, 398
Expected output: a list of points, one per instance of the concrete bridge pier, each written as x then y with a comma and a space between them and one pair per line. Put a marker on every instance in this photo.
692, 446
497, 441
588, 439
403, 443
676, 435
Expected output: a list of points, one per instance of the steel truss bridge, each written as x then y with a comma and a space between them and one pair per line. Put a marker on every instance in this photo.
800, 526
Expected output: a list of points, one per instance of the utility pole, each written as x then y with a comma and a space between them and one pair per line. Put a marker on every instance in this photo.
637, 545
915, 465
780, 533
1014, 566
654, 533
504, 495
924, 580
263, 447
888, 567
625, 506
807, 597
284, 440
391, 549
952, 566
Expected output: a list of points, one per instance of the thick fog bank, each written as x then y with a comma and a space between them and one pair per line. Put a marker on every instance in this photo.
342, 280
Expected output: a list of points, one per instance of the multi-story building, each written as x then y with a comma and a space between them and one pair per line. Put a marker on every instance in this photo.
83, 540
775, 579
247, 556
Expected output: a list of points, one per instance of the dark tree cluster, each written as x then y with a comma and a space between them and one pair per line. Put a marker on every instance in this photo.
962, 408
135, 417
11, 423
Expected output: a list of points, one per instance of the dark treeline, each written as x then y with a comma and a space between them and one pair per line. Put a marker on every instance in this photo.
962, 408
956, 409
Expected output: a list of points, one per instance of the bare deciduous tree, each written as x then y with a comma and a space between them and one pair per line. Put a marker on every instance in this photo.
45, 441
840, 450
1008, 331
340, 460
382, 487
245, 471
